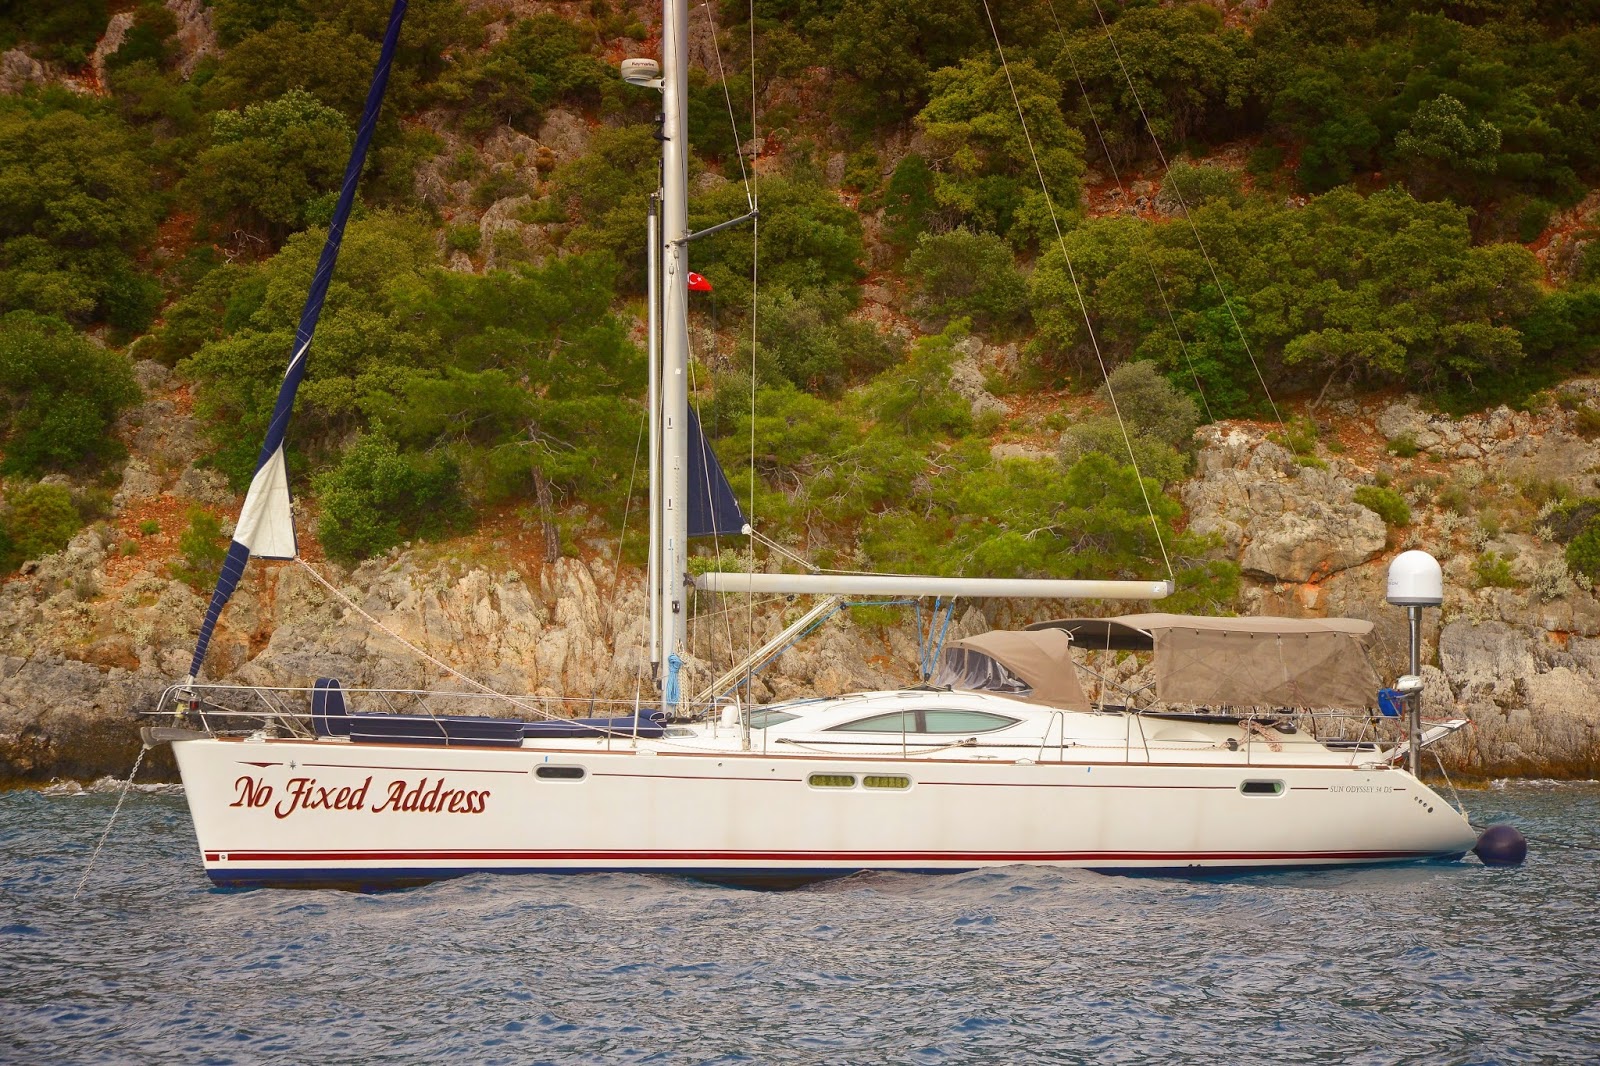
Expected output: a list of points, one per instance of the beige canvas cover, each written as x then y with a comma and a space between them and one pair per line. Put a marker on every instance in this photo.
1042, 659
1274, 662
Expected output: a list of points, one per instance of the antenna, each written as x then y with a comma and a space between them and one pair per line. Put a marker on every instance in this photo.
645, 73
1415, 582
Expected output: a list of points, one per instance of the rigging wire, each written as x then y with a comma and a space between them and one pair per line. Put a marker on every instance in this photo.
1166, 169
1116, 176
1077, 291
749, 178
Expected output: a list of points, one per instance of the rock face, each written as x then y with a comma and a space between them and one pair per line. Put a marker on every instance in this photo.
18, 70
1532, 702
93, 634
1287, 522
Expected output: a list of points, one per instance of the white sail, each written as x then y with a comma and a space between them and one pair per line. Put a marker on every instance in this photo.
266, 522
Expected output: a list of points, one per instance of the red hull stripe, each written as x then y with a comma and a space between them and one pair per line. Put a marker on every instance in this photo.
849, 858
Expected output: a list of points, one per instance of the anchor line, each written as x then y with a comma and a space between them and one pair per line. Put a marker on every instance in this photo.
114, 812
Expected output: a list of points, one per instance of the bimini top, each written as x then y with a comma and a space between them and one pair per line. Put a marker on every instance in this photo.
1276, 662
1032, 666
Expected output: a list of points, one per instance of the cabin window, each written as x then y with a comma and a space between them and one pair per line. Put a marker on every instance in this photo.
937, 720
897, 722
943, 721
1261, 788
888, 781
767, 719
832, 781
551, 772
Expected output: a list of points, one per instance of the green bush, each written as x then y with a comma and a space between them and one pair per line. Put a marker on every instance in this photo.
463, 238
378, 496
908, 202
542, 61
269, 161
809, 340
1583, 551
1494, 571
1196, 185
35, 521
1386, 504
969, 275
1404, 446
201, 550
78, 201
61, 394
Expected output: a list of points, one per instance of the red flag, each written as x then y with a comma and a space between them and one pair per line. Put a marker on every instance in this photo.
698, 283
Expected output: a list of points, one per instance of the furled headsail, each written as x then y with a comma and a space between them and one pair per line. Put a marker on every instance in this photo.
266, 523
713, 508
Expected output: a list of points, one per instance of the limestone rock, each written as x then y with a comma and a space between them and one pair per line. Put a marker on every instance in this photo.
116, 32
18, 70
196, 36
1286, 522
564, 134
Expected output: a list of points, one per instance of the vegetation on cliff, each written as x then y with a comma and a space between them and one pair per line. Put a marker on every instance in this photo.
1362, 195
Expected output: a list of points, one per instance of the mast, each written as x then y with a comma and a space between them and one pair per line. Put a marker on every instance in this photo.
674, 394
653, 401
668, 299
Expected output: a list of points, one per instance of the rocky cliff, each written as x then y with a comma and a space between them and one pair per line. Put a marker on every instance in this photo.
91, 636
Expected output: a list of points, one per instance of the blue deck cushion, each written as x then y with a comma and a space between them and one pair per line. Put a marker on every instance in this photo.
328, 715
644, 725
331, 718
419, 729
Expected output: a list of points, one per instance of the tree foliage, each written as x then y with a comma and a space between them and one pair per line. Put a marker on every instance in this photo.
993, 160
268, 161
35, 520
77, 202
61, 395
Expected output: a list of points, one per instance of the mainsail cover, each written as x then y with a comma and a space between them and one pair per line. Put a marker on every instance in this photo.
266, 524
713, 508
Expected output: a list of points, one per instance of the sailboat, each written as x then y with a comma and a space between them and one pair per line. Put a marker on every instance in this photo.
1001, 757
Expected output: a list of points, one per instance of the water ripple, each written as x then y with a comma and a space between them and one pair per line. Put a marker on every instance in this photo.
1457, 964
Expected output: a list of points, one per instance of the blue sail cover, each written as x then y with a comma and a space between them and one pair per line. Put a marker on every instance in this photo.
266, 525
713, 509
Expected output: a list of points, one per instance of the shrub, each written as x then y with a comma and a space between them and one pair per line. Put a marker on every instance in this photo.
61, 394
1405, 446
1197, 184
377, 497
1494, 571
1151, 405
1299, 436
908, 201
1583, 552
268, 162
971, 275
810, 340
1386, 504
463, 238
202, 548
36, 520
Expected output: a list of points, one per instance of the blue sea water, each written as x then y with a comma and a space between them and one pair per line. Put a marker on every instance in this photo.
1426, 964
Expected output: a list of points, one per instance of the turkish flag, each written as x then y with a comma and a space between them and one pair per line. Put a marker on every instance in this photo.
698, 283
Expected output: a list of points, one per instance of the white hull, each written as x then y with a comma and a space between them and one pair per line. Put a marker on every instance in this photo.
330, 811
